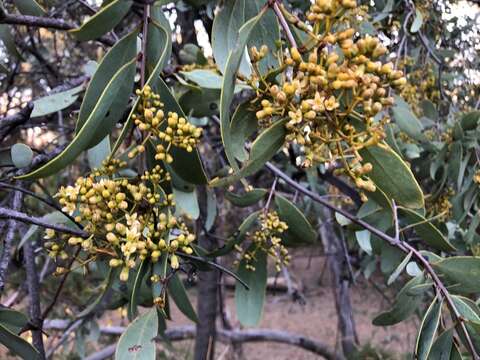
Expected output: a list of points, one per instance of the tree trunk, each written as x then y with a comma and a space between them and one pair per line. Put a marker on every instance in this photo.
337, 262
207, 306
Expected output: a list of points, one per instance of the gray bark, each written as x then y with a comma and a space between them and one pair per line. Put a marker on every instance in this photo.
338, 265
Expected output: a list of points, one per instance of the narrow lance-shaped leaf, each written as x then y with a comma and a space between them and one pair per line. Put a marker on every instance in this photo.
238, 236
461, 273
393, 176
18, 345
426, 230
249, 303
125, 50
228, 87
103, 21
399, 269
141, 272
179, 295
94, 126
29, 7
263, 149
404, 306
428, 329
299, 228
244, 123
247, 199
153, 75
55, 102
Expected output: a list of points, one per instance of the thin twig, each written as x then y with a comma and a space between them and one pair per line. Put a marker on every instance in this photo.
19, 216
283, 22
402, 245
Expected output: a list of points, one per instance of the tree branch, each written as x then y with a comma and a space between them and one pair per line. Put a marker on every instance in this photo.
237, 336
33, 286
14, 215
44, 22
8, 123
8, 243
402, 245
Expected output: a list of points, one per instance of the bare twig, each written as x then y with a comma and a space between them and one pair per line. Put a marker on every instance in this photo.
283, 22
402, 245
22, 217
33, 292
235, 336
8, 243
43, 22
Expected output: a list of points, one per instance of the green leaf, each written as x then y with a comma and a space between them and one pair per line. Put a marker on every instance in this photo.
267, 32
13, 320
8, 41
299, 228
98, 153
52, 103
364, 240
21, 155
247, 199
464, 308
442, 346
124, 51
263, 149
159, 59
137, 342
200, 102
428, 329
107, 284
179, 295
159, 269
417, 22
404, 306
103, 21
406, 120
399, 269
134, 299
18, 345
29, 7
187, 165
229, 79
429, 109
249, 303
207, 79
470, 120
426, 230
159, 40
186, 203
461, 273
94, 126
244, 123
238, 237
225, 34
393, 176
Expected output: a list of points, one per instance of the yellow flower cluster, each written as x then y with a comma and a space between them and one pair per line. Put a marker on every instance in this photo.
333, 93
128, 220
441, 206
267, 239
170, 130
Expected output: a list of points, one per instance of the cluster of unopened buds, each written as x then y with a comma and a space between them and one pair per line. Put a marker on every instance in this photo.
128, 220
164, 130
267, 239
333, 94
